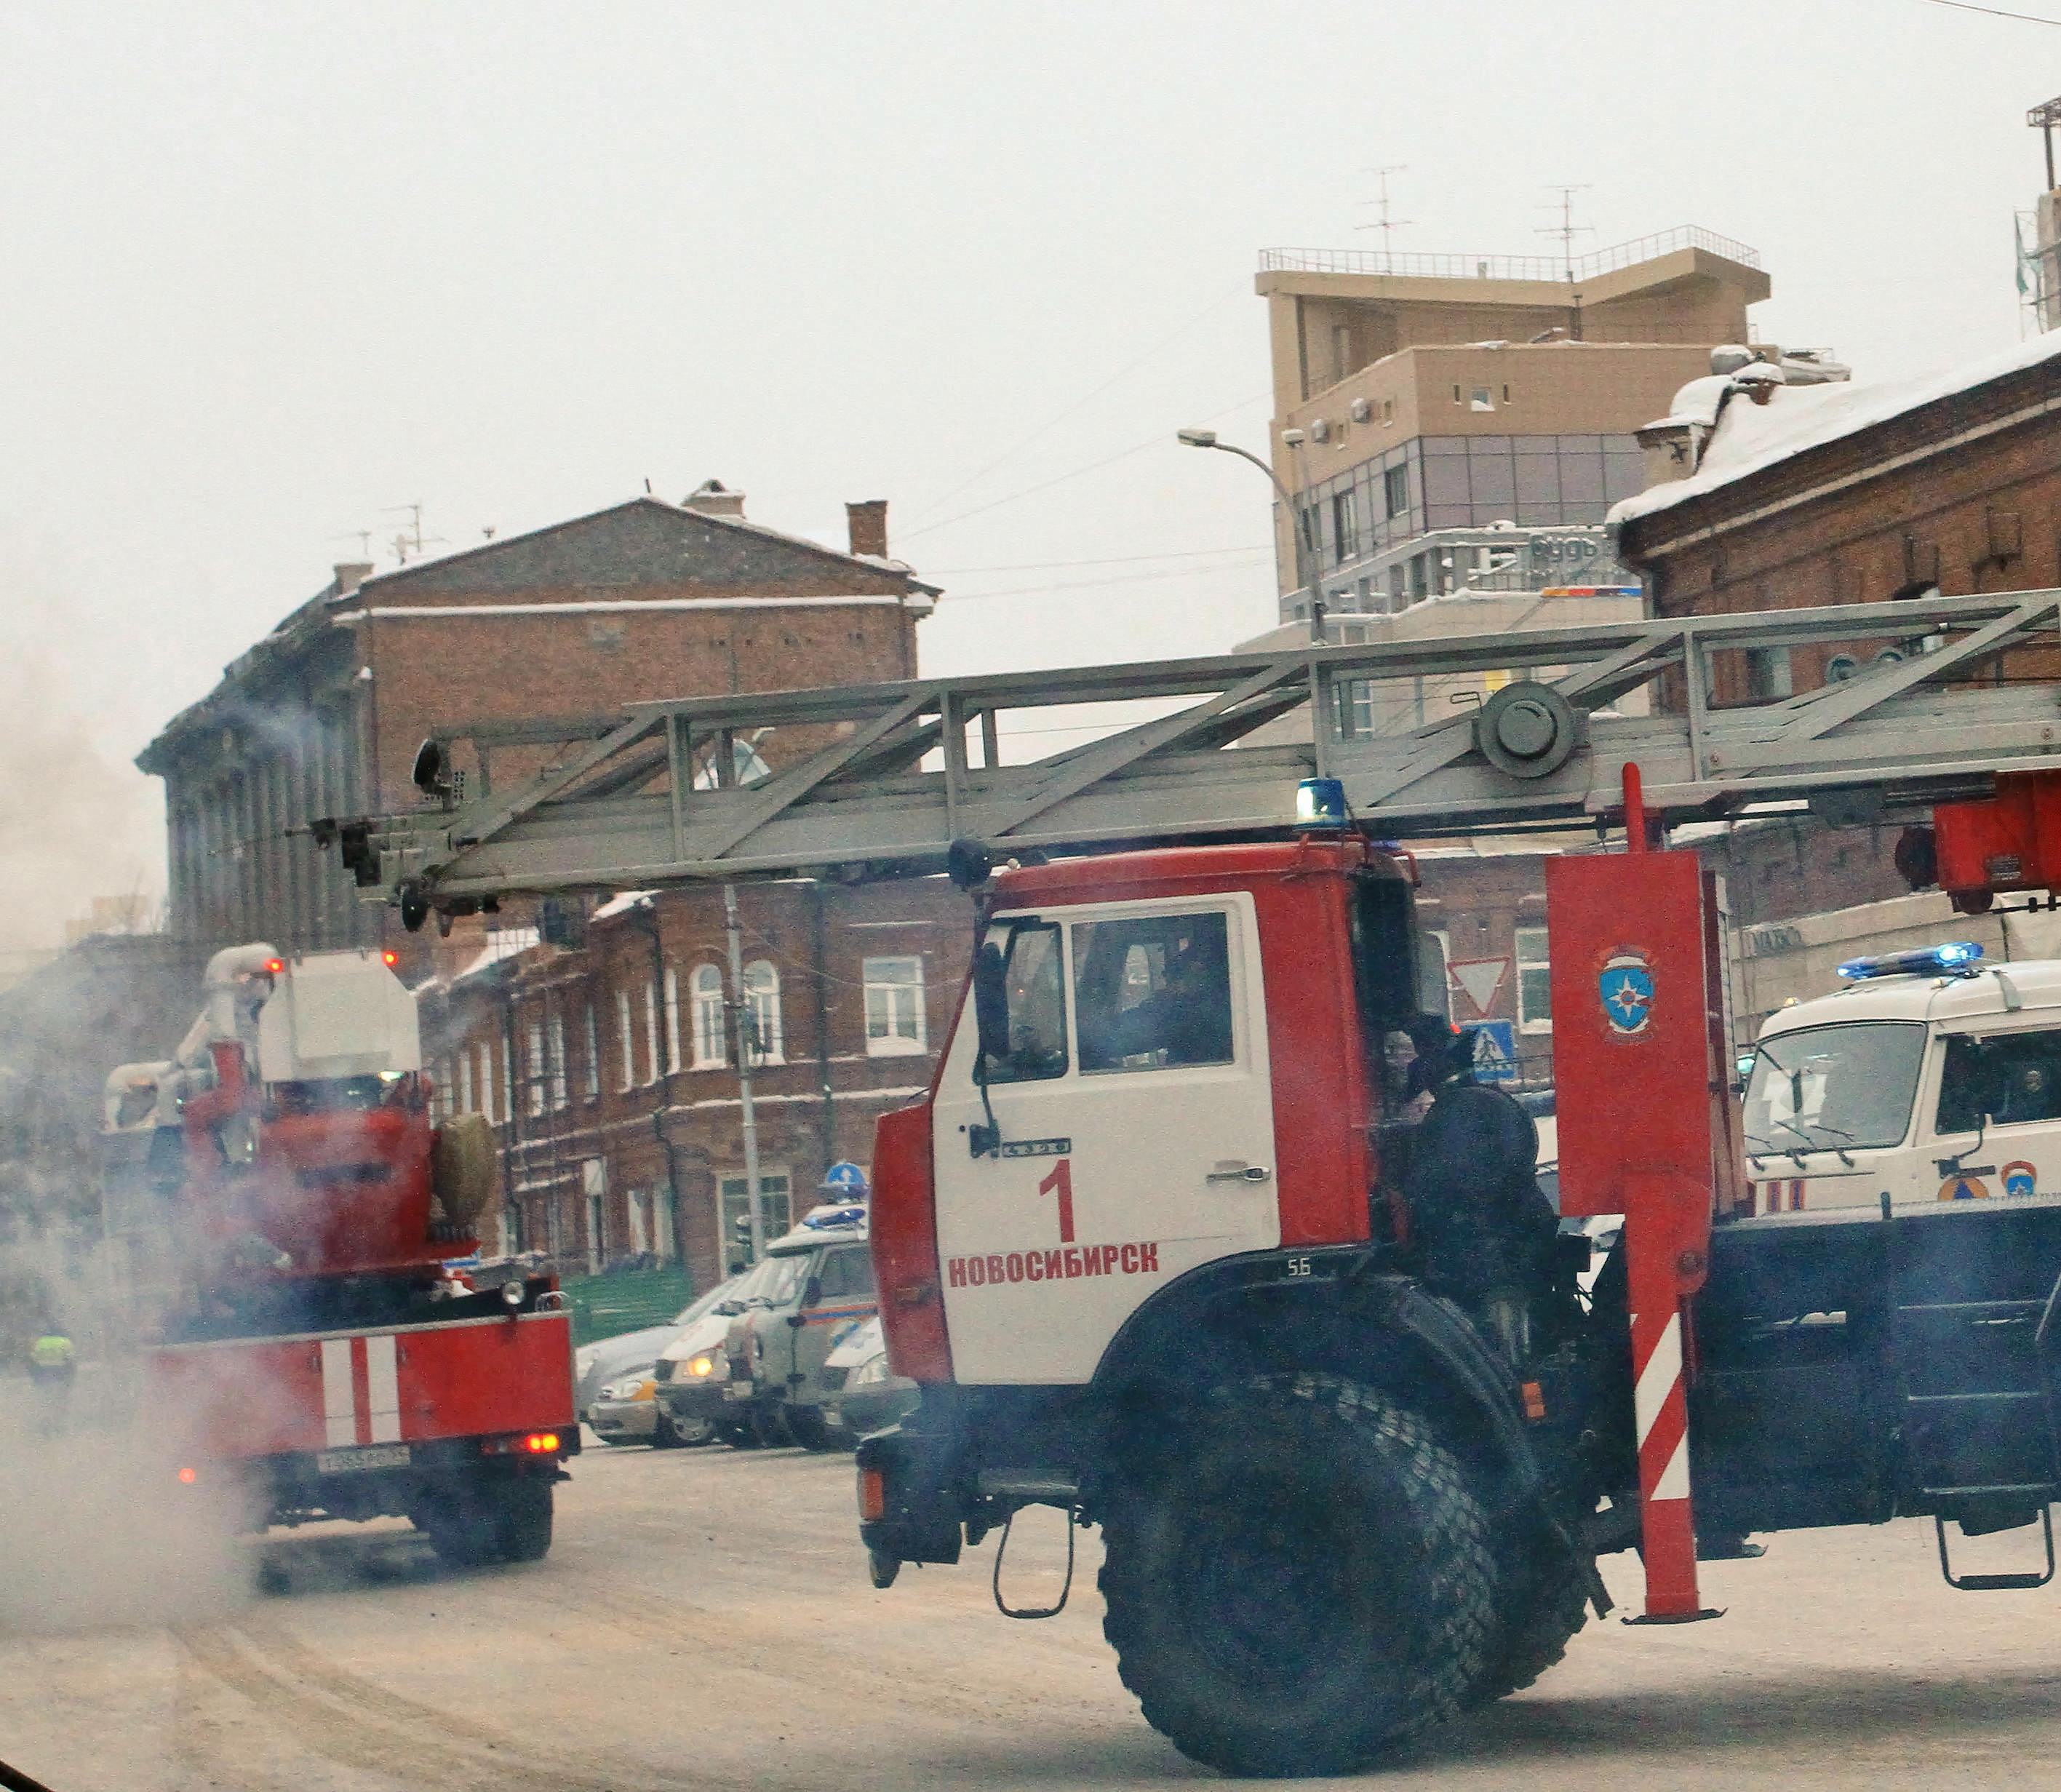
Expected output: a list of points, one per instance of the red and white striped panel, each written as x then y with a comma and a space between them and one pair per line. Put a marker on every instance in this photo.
1660, 1403
361, 1390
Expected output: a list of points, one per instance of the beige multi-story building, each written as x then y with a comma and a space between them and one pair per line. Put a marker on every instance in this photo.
1419, 393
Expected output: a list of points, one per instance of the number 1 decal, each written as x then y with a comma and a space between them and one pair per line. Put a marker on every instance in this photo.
1061, 1182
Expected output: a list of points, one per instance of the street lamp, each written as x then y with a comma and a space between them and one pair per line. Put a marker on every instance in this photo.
1305, 549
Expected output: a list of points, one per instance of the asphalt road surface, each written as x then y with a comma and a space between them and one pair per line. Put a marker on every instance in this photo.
705, 1622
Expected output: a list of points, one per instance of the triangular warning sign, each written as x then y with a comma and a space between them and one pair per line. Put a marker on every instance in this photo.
1478, 979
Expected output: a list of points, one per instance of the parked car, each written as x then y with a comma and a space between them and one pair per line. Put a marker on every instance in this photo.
610, 1369
861, 1393
692, 1370
812, 1285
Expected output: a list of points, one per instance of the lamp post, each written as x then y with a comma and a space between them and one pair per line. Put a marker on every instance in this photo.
1306, 550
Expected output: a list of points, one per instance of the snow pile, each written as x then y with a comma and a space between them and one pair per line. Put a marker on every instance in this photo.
1750, 438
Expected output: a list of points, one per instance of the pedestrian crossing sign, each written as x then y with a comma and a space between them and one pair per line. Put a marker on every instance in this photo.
1495, 1049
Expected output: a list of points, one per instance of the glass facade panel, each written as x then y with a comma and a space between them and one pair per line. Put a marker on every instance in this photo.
1494, 486
1537, 486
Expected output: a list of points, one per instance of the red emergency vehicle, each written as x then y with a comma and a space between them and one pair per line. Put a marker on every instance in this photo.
319, 1360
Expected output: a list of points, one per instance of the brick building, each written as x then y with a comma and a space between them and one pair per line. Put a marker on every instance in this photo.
610, 1075
642, 600
1775, 497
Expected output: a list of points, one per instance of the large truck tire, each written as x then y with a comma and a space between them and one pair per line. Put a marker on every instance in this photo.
1543, 1600
808, 1427
1302, 1582
495, 1516
461, 1169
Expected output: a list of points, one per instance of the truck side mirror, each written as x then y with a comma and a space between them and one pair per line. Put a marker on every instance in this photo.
990, 1007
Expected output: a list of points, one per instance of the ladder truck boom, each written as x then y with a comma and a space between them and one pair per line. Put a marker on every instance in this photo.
1206, 1232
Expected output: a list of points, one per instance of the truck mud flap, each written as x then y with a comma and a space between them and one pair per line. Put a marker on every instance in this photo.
907, 1510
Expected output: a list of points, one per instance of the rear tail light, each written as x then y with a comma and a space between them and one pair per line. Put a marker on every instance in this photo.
188, 1477
872, 1491
528, 1443
905, 1246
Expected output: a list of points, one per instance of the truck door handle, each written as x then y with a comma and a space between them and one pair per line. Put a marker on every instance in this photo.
1231, 1170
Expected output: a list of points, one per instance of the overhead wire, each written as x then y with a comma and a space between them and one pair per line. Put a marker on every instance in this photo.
1994, 12
1158, 438
1130, 367
1109, 560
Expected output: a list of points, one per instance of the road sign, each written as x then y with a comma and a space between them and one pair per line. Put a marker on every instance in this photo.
845, 1179
1495, 1049
1477, 980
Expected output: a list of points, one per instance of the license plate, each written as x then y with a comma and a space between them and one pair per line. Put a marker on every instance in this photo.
355, 1462
736, 1390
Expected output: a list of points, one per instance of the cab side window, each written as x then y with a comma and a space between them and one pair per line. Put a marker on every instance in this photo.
1034, 972
846, 1274
2014, 1079
1153, 992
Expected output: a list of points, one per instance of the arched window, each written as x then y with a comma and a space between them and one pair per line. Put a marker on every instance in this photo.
711, 1023
762, 990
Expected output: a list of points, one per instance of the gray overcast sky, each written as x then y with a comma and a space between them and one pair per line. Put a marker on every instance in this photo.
268, 271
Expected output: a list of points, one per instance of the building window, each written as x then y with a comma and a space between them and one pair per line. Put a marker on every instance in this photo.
592, 1083
465, 1082
774, 1199
1388, 411
486, 1083
508, 1077
626, 1041
638, 1202
1356, 709
672, 1020
705, 993
559, 1098
894, 1007
1482, 400
533, 1077
1395, 489
651, 1031
1345, 537
1767, 673
1535, 983
762, 993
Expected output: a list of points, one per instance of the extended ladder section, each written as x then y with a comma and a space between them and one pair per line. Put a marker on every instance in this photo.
1463, 735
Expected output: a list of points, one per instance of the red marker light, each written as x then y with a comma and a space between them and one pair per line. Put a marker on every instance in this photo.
390, 957
540, 1443
188, 1477
275, 965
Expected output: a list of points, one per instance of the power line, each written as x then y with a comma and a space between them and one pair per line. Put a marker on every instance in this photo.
1158, 439
1994, 12
1113, 560
1092, 584
1123, 372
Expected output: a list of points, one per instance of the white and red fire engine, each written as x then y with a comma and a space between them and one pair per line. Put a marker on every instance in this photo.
319, 1359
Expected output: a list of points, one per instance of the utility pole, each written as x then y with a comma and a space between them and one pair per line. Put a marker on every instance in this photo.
742, 1031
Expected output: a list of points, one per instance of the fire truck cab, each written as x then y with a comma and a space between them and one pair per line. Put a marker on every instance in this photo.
1933, 1075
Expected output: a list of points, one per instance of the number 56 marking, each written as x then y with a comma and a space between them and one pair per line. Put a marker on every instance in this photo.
1061, 1182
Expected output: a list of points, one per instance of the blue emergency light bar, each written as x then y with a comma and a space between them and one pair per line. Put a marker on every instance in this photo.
1320, 803
1956, 958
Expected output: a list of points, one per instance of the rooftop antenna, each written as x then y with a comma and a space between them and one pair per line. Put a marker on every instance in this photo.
410, 540
362, 537
1385, 220
1566, 229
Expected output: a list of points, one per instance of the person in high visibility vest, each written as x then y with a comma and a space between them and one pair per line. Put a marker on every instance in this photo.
52, 1364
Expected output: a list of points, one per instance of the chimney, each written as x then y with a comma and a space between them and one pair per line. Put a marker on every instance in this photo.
713, 498
867, 524
350, 575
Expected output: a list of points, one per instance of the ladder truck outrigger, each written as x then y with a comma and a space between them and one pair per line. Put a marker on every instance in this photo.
1167, 1248
320, 1355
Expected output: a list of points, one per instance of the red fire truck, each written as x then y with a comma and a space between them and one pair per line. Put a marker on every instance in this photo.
1179, 1244
318, 1360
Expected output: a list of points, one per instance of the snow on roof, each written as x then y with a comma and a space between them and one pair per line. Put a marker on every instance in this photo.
510, 943
1750, 438
621, 903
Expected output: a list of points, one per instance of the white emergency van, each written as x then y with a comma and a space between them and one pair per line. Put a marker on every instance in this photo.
1933, 1075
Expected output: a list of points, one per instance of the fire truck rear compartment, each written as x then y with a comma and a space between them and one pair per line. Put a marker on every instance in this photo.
1855, 1368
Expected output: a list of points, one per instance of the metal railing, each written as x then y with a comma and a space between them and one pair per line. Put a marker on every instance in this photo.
1507, 267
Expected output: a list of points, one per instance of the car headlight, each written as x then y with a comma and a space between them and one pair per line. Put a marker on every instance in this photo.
707, 1366
873, 1369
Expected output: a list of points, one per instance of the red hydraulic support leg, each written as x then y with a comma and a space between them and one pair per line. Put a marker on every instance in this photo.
1640, 1100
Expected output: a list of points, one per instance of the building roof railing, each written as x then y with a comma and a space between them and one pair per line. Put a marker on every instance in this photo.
1507, 267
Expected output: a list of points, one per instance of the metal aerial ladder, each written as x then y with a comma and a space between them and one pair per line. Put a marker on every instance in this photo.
881, 779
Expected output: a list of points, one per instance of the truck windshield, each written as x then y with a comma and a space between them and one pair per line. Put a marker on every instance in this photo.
772, 1281
1833, 1088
